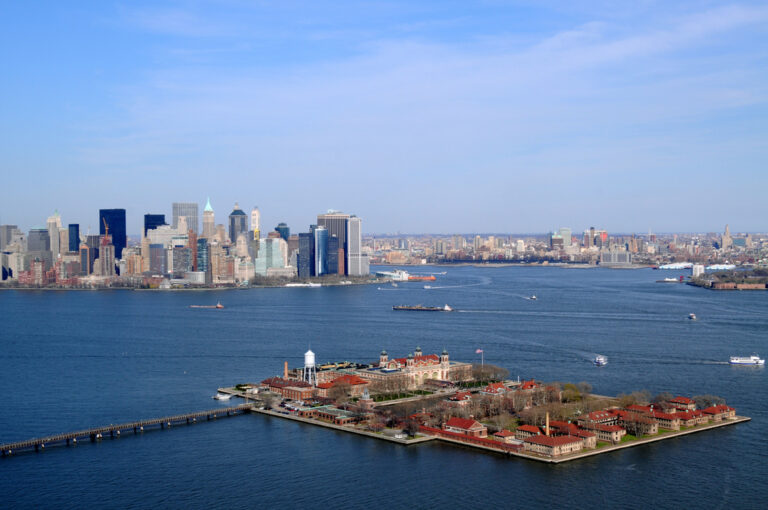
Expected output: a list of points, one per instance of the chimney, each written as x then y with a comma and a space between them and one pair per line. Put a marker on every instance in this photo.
285, 370
546, 427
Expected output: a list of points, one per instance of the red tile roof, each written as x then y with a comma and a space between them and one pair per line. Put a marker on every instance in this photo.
352, 380
553, 440
603, 427
529, 385
600, 416
429, 359
718, 409
504, 433
463, 423
495, 388
529, 428
681, 400
462, 395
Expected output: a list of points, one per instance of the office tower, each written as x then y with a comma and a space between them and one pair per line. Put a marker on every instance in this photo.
182, 260
74, 237
336, 224
189, 211
54, 225
202, 255
321, 251
209, 221
256, 223
6, 233
114, 219
306, 258
107, 253
238, 223
333, 255
38, 240
566, 234
152, 221
284, 231
555, 241
86, 260
356, 262
157, 259
192, 245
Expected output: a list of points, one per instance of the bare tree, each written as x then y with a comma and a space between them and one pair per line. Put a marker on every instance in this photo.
340, 392
268, 399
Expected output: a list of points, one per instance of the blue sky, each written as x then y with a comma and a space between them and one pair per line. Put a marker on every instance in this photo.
444, 116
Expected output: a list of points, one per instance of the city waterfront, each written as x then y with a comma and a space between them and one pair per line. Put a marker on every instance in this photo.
72, 360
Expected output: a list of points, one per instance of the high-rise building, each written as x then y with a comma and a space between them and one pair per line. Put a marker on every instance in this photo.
6, 232
115, 220
321, 251
74, 237
333, 255
567, 235
38, 240
336, 223
306, 258
157, 259
283, 230
238, 223
256, 223
152, 221
209, 221
106, 256
54, 225
189, 211
202, 255
357, 262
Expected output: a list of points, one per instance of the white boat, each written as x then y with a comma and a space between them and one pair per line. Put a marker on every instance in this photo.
394, 284
533, 298
600, 360
447, 308
427, 286
692, 316
222, 396
747, 360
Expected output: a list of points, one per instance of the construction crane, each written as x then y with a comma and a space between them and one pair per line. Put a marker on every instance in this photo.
106, 227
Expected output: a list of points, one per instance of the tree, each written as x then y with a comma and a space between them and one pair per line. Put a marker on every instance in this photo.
571, 393
662, 397
585, 389
268, 399
704, 401
340, 392
411, 427
489, 372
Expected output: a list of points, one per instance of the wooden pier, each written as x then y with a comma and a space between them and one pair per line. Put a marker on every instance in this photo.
94, 434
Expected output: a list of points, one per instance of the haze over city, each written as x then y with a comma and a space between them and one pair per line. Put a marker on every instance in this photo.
437, 117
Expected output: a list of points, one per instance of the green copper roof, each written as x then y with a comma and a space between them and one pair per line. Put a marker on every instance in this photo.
208, 207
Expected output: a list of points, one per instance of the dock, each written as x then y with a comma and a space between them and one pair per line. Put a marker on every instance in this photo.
112, 430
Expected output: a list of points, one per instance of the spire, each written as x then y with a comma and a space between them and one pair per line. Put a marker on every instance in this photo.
208, 207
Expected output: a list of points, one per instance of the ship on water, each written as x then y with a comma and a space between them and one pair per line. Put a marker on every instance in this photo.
747, 360
421, 308
217, 306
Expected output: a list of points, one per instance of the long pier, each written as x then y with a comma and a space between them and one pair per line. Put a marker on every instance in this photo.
96, 433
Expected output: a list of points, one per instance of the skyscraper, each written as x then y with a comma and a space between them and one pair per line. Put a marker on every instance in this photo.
321, 251
306, 258
357, 263
115, 220
38, 240
333, 255
336, 223
54, 225
209, 221
238, 223
188, 210
256, 223
152, 221
283, 230
6, 232
74, 237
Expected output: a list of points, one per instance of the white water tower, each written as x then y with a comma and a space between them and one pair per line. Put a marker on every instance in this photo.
310, 371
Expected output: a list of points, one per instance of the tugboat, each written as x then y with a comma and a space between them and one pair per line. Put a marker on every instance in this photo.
600, 360
217, 306
421, 308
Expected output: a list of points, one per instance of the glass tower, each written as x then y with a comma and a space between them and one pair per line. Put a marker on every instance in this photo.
115, 219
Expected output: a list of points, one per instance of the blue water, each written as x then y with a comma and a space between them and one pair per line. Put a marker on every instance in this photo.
71, 360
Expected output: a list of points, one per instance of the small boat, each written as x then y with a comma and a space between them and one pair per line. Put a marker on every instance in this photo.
692, 316
394, 284
747, 360
222, 396
532, 298
600, 360
217, 306
427, 286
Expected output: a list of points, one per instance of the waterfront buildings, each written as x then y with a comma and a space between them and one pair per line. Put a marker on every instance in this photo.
187, 210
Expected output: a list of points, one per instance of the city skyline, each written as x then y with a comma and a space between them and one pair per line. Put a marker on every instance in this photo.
441, 117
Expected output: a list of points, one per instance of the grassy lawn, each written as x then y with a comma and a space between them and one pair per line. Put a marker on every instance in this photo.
628, 437
601, 444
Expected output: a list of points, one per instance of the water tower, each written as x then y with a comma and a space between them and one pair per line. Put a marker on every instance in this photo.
310, 371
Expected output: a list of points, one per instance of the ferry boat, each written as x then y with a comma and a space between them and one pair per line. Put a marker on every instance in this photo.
217, 306
747, 360
692, 316
222, 396
421, 308
600, 360
312, 285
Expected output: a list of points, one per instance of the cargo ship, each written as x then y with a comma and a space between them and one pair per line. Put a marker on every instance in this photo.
429, 278
421, 308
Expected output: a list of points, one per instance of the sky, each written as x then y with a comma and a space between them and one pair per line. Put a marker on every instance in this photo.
429, 116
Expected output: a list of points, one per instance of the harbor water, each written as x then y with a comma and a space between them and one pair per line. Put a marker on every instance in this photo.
76, 359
